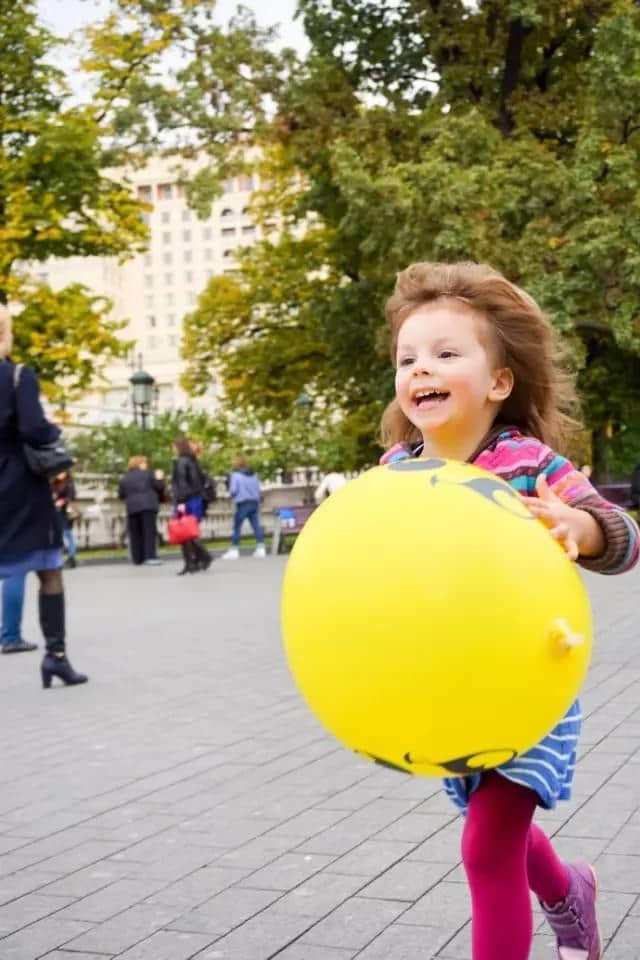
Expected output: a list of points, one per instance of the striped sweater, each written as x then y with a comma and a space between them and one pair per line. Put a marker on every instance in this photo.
519, 460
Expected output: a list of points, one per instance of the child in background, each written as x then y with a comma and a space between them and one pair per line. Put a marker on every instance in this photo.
477, 381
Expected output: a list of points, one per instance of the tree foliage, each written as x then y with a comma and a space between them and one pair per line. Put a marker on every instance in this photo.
55, 201
506, 131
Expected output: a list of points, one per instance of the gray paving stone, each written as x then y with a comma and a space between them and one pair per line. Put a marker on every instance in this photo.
184, 782
370, 858
37, 939
124, 930
400, 942
168, 945
227, 910
354, 924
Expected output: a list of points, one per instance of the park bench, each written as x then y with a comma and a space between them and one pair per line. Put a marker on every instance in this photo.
288, 520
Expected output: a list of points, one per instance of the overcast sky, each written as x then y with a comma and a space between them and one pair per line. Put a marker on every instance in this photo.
65, 16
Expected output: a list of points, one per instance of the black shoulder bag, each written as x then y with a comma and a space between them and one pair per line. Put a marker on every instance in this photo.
53, 457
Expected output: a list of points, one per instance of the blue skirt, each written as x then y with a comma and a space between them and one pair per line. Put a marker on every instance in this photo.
50, 559
547, 768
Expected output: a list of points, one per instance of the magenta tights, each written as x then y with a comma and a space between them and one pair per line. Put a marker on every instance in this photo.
505, 855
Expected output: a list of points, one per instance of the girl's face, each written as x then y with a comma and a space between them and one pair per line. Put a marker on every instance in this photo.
447, 383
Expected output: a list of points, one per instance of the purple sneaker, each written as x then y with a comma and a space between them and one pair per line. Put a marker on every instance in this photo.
574, 920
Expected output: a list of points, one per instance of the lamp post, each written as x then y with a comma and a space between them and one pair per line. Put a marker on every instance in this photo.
305, 403
143, 395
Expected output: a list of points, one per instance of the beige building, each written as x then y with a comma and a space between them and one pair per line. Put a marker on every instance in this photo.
153, 291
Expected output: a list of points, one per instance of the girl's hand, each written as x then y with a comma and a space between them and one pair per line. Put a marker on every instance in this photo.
574, 529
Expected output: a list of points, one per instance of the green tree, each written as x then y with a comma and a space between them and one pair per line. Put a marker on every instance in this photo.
55, 201
507, 132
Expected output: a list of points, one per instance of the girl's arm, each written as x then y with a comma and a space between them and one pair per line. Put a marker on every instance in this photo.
608, 539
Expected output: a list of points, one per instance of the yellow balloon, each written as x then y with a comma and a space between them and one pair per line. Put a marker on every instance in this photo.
431, 622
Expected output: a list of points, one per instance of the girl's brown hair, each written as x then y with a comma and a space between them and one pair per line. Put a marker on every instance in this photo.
543, 395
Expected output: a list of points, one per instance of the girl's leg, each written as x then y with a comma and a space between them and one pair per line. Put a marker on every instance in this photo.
494, 852
548, 875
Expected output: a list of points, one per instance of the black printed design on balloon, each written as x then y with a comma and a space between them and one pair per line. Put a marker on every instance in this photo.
408, 465
497, 492
476, 762
384, 763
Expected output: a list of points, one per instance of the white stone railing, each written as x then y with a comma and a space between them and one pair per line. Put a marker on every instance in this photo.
102, 521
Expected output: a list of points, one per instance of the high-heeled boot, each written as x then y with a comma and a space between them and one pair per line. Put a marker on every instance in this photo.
55, 662
203, 555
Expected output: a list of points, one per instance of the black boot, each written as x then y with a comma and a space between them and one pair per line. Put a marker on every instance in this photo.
190, 565
203, 555
55, 663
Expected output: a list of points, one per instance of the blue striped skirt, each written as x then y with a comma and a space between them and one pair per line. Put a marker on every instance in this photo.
547, 768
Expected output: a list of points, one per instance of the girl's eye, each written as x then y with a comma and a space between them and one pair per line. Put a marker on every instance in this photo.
406, 361
446, 354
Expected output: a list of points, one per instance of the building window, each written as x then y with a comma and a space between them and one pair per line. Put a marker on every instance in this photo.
148, 280
166, 216
229, 185
228, 231
144, 193
165, 191
166, 236
188, 277
148, 260
167, 259
245, 182
149, 301
186, 216
171, 319
209, 274
227, 253
208, 253
179, 190
186, 236
245, 211
191, 297
248, 231
173, 340
168, 299
168, 279
151, 342
188, 256
145, 218
227, 212
206, 233
151, 321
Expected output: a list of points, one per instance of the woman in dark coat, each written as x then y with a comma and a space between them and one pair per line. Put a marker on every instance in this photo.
30, 537
187, 486
140, 490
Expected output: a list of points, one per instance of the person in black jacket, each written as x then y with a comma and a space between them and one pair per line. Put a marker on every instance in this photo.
187, 486
140, 490
30, 536
635, 488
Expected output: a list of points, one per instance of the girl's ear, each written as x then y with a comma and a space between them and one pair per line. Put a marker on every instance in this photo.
503, 381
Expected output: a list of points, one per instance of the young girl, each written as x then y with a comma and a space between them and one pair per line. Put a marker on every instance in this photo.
476, 380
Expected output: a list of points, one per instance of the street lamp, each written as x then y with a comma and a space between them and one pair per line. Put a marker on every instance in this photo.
143, 395
304, 403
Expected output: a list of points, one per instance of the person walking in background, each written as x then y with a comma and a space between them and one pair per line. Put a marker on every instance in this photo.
30, 537
244, 490
13, 589
64, 495
139, 489
331, 482
187, 486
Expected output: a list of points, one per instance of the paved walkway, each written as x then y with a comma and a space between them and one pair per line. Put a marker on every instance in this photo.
185, 804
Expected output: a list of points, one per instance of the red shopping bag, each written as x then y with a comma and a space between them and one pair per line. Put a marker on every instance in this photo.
183, 528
